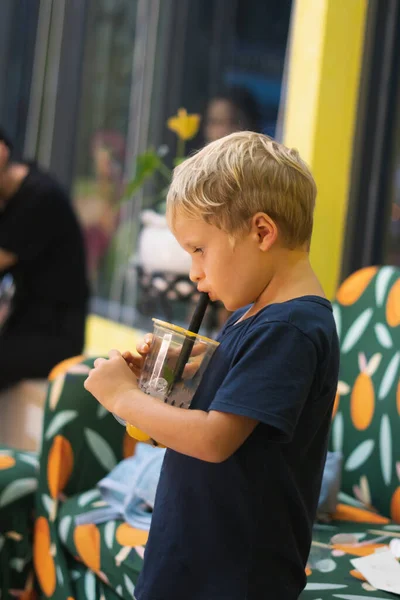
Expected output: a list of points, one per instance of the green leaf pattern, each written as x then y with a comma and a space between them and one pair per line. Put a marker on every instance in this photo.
90, 586
359, 455
357, 330
390, 376
17, 490
60, 420
337, 433
385, 444
130, 588
64, 527
382, 281
383, 335
101, 449
109, 533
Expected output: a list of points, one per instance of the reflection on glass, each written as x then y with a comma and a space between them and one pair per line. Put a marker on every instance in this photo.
393, 241
223, 60
240, 44
103, 123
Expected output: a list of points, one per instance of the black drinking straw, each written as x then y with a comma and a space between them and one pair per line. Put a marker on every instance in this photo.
188, 344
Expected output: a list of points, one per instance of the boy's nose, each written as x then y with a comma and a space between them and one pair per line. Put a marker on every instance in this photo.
195, 274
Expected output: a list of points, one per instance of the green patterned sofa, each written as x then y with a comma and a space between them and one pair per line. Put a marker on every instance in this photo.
366, 430
81, 443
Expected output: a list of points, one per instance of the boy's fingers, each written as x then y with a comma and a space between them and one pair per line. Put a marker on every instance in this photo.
130, 359
198, 349
190, 369
99, 361
143, 348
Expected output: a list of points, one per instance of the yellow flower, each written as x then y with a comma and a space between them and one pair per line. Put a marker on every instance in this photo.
184, 125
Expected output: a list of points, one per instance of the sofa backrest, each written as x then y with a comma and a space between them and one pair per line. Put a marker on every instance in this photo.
366, 424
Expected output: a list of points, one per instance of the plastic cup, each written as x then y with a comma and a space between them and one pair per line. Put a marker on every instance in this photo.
157, 377
159, 374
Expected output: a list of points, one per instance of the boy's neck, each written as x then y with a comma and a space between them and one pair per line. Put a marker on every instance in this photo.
292, 277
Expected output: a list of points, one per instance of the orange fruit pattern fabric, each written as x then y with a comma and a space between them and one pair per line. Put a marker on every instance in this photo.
354, 286
6, 462
393, 306
362, 402
42, 558
60, 465
130, 536
87, 542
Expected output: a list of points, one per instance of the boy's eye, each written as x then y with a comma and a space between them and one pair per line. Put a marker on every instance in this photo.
198, 250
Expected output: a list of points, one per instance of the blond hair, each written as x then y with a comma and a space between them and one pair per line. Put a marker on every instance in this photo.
230, 180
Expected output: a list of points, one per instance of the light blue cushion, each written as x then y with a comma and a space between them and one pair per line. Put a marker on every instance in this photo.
331, 482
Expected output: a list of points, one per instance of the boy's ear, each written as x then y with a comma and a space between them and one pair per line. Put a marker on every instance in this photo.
265, 230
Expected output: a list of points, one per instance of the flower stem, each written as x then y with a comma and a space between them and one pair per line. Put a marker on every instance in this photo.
165, 171
180, 148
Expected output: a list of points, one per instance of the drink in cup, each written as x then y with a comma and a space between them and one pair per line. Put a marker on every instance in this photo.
173, 367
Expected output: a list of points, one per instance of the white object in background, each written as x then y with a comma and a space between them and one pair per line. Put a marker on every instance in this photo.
22, 408
395, 548
158, 249
381, 570
34, 422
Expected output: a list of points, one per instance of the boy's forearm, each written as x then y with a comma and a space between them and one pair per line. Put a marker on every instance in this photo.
185, 431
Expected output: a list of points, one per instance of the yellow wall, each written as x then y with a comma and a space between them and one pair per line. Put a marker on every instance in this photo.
320, 114
102, 335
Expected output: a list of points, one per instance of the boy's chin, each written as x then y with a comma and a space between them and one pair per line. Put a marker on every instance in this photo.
231, 305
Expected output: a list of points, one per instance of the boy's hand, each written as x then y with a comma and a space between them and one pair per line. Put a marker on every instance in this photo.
109, 379
135, 363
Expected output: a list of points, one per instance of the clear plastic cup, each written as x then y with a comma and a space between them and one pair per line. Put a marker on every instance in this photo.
159, 377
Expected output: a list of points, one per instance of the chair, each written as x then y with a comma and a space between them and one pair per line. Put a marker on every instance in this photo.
81, 443
365, 429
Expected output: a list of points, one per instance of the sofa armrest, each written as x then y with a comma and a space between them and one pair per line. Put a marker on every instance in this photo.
81, 441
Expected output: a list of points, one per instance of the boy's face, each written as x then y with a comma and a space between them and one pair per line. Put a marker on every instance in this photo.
220, 120
234, 273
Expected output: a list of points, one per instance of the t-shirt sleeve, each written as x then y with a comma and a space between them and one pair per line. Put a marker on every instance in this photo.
27, 228
271, 378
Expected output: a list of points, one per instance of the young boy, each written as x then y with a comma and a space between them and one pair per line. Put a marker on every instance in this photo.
239, 487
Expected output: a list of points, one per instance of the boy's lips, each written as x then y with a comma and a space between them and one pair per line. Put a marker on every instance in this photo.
210, 294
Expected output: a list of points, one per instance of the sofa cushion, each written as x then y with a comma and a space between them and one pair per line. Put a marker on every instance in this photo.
331, 575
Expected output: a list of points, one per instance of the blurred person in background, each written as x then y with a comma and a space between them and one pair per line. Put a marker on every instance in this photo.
232, 109
43, 285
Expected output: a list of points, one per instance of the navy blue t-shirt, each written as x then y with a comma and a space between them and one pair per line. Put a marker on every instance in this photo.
241, 529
